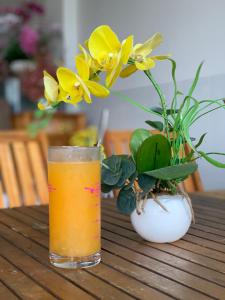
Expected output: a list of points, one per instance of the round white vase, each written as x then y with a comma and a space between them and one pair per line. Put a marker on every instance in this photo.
155, 224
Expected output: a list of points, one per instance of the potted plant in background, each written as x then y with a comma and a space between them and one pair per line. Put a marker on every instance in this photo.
149, 179
27, 45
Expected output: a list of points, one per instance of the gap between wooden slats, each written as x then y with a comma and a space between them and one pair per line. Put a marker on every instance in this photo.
6, 293
38, 169
9, 175
24, 173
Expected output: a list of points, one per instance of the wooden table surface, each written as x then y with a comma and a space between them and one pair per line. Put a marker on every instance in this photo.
192, 268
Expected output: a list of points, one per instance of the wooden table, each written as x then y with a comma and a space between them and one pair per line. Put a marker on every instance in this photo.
192, 268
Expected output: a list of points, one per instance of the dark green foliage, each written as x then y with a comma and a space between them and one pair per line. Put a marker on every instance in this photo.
155, 124
159, 110
111, 170
116, 170
146, 182
126, 201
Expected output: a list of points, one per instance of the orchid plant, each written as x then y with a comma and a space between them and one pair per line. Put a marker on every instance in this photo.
158, 162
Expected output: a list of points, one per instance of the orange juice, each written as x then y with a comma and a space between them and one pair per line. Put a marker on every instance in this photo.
74, 208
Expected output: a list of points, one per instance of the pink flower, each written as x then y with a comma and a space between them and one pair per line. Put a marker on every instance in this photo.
29, 40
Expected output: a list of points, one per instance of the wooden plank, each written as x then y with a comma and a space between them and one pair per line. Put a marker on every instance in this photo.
126, 281
209, 229
44, 144
24, 173
210, 202
9, 175
205, 243
201, 223
42, 274
210, 217
5, 293
211, 224
134, 252
22, 285
171, 249
207, 235
193, 268
206, 258
210, 210
38, 169
22, 240
193, 244
193, 235
169, 285
122, 281
204, 261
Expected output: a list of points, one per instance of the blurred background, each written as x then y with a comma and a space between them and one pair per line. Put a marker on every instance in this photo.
37, 35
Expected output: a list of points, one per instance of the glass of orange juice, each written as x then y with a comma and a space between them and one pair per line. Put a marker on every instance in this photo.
74, 206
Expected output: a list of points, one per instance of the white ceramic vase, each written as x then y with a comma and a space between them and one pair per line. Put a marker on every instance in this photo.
155, 224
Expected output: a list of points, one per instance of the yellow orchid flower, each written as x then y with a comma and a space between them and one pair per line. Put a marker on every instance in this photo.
140, 56
93, 65
106, 49
78, 86
53, 93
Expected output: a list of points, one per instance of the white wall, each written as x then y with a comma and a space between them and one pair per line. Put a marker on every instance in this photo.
193, 31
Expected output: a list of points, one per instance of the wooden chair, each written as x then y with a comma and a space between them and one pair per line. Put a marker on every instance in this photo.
60, 128
117, 142
23, 179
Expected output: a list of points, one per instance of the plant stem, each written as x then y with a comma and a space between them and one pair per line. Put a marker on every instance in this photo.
162, 100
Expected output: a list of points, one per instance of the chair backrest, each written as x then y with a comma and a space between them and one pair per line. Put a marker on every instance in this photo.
117, 142
23, 176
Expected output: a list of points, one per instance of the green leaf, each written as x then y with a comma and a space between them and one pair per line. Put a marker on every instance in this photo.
212, 161
128, 168
126, 201
146, 182
200, 140
159, 110
194, 84
116, 170
173, 172
111, 170
106, 188
155, 124
137, 138
192, 88
154, 153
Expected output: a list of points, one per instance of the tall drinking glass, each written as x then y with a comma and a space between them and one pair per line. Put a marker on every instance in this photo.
74, 206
